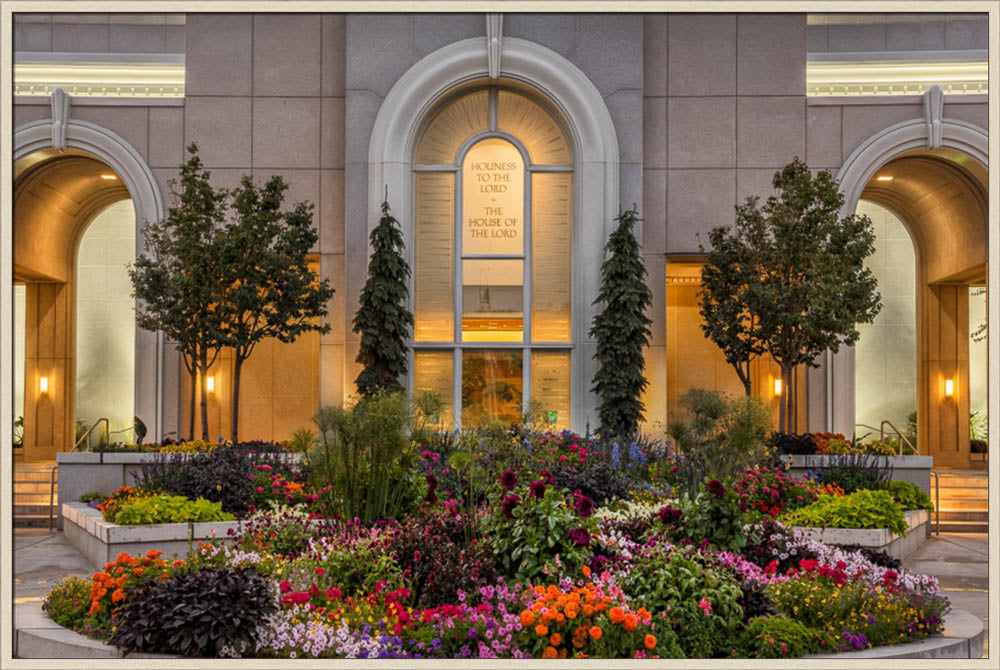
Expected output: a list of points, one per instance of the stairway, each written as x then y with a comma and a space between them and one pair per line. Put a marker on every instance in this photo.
964, 500
31, 494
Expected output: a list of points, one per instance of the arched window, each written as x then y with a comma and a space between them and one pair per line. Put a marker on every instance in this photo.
493, 212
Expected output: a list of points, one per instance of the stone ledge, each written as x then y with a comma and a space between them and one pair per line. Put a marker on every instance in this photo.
876, 538
37, 636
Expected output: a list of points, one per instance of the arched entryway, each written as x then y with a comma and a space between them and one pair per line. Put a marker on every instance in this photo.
931, 174
65, 173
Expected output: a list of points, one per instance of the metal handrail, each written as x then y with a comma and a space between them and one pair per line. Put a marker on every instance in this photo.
902, 438
52, 495
937, 503
86, 436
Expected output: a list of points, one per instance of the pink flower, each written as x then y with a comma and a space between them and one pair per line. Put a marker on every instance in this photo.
706, 607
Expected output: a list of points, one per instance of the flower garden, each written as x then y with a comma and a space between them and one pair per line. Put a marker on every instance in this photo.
385, 539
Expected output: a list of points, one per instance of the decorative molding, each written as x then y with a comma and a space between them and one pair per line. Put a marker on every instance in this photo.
494, 44
933, 110
60, 118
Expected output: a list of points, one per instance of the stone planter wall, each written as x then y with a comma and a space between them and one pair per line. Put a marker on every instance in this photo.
101, 541
882, 539
913, 469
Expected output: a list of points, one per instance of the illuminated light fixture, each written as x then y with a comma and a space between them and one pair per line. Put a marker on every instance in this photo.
949, 388
884, 177
104, 79
777, 387
43, 384
857, 78
210, 384
113, 176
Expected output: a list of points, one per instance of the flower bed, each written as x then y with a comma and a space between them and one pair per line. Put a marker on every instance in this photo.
506, 544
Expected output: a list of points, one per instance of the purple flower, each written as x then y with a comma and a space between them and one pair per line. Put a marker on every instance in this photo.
716, 488
580, 536
432, 482
537, 488
669, 515
547, 477
508, 479
508, 505
584, 506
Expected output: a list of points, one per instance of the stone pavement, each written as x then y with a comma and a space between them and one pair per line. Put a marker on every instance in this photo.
958, 560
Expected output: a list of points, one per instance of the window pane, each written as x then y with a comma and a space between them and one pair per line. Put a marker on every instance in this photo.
550, 385
550, 270
452, 126
491, 386
434, 255
493, 199
531, 124
492, 301
432, 373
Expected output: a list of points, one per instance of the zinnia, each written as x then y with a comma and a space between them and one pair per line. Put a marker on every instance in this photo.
596, 632
650, 641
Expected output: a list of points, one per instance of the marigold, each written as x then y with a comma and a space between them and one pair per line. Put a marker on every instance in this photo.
550, 652
650, 641
527, 618
586, 571
631, 622
596, 632
616, 614
541, 629
117, 595
588, 610
555, 640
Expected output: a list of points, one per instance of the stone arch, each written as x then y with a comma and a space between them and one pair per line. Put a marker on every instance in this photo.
948, 255
591, 132
37, 147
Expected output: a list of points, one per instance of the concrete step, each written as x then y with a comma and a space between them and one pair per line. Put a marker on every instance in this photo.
963, 527
33, 520
33, 499
34, 487
970, 504
962, 480
947, 514
962, 493
30, 475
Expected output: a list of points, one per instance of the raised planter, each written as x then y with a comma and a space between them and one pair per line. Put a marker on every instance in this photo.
84, 472
101, 541
913, 469
882, 539
37, 636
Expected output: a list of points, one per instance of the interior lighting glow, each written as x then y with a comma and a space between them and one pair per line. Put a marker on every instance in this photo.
43, 384
210, 384
109, 176
884, 177
949, 387
777, 387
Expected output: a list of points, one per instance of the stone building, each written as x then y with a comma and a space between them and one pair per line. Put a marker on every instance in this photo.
508, 143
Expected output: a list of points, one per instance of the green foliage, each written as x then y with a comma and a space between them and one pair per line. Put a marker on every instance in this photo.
798, 270
679, 579
778, 637
93, 496
195, 613
170, 509
139, 429
909, 496
977, 427
366, 460
861, 509
723, 437
68, 602
382, 318
303, 439
622, 331
854, 472
714, 516
177, 283
18, 440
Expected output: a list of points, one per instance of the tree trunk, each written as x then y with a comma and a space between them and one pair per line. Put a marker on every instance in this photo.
237, 367
744, 375
194, 391
783, 402
204, 395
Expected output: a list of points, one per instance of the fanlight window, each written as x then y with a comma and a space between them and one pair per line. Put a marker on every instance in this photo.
493, 180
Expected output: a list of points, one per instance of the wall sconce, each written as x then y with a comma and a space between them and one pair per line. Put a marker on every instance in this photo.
949, 388
43, 384
777, 387
210, 384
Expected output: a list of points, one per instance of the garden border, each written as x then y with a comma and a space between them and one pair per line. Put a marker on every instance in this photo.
43, 638
882, 539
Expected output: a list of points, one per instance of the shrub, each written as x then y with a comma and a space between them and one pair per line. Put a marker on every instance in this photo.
714, 517
94, 496
68, 602
769, 541
792, 443
909, 496
363, 461
122, 496
854, 472
170, 509
701, 597
209, 612
281, 530
769, 491
190, 447
755, 602
861, 509
779, 637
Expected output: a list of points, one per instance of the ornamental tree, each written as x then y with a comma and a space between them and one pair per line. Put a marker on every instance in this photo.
268, 289
177, 285
622, 331
382, 318
805, 277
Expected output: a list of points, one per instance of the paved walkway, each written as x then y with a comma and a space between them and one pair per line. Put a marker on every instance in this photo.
958, 560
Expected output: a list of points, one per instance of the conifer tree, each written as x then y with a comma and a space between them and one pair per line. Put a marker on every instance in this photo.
622, 330
382, 318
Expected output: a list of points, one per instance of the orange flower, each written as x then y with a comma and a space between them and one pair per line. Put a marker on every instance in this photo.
527, 618
650, 641
539, 590
550, 652
102, 592
153, 553
572, 611
120, 582
631, 622
138, 572
541, 629
117, 595
588, 610
177, 564
562, 653
97, 576
643, 613
560, 617
616, 614
95, 606
555, 640
586, 571
596, 632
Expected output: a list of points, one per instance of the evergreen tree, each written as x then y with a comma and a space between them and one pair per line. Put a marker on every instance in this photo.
382, 318
177, 285
268, 288
622, 331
